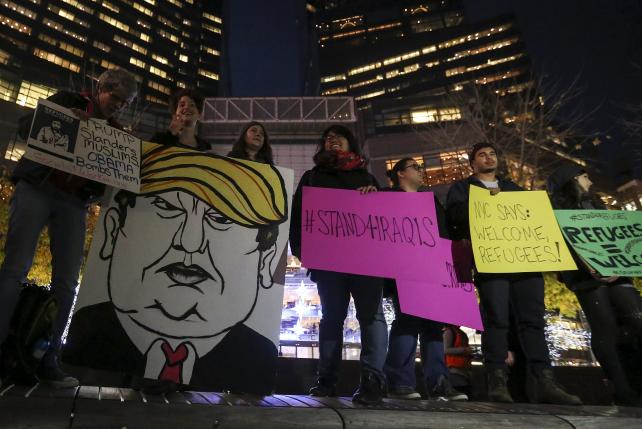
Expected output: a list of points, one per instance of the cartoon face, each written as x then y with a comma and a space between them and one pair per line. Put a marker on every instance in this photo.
183, 289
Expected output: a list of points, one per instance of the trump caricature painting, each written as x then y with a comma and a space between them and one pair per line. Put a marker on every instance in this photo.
184, 281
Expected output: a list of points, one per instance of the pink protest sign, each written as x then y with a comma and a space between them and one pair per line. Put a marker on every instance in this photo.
448, 295
383, 234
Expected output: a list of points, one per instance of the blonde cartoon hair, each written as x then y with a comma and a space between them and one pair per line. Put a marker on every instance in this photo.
247, 193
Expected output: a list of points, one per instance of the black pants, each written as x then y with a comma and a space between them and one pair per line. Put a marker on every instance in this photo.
607, 308
524, 294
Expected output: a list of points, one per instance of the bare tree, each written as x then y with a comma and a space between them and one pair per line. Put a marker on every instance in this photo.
532, 132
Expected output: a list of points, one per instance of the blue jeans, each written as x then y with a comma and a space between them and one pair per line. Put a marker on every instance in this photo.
335, 290
32, 208
400, 362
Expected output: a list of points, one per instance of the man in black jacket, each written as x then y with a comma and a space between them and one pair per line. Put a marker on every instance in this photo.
48, 197
523, 293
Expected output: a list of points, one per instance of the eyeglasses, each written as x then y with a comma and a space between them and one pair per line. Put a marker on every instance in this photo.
415, 166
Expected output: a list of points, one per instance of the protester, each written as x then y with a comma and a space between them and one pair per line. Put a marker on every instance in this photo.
253, 144
185, 106
524, 292
459, 357
604, 300
400, 363
48, 197
339, 164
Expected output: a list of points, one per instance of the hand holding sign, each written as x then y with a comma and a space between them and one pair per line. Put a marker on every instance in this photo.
516, 232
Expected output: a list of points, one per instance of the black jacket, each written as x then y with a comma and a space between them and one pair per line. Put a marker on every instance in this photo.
243, 362
35, 173
457, 204
323, 178
168, 139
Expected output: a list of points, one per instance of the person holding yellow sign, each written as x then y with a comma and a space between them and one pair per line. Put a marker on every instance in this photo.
523, 293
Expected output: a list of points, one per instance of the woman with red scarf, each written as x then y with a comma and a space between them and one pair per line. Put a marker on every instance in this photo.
339, 164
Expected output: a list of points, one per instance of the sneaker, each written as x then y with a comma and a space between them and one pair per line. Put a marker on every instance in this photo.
541, 387
444, 391
53, 376
323, 389
497, 388
370, 391
403, 392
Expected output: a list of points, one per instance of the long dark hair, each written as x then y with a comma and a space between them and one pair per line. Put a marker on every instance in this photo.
263, 155
320, 157
400, 165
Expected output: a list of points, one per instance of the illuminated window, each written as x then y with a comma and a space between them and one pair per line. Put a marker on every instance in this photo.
333, 78
144, 37
499, 76
160, 59
485, 48
167, 35
210, 51
138, 63
339, 90
157, 71
429, 49
62, 45
18, 26
213, 18
176, 3
114, 22
30, 93
152, 2
17, 8
133, 46
8, 90
367, 82
183, 58
488, 63
211, 28
475, 36
67, 15
111, 6
384, 26
208, 74
59, 27
80, 6
187, 22
108, 64
153, 99
436, 115
181, 84
143, 9
53, 58
4, 57
168, 22
158, 87
370, 95
143, 24
101, 46
364, 69
400, 58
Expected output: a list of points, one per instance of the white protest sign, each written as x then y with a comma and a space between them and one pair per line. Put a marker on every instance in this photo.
90, 149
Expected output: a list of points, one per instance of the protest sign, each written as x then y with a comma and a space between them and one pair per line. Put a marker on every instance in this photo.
610, 241
515, 232
380, 234
90, 149
449, 295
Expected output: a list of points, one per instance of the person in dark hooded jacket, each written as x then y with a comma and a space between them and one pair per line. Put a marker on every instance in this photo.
607, 302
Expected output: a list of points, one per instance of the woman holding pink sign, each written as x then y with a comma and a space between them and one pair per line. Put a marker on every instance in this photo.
339, 164
611, 304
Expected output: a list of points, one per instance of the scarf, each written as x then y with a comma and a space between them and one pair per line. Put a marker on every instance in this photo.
339, 160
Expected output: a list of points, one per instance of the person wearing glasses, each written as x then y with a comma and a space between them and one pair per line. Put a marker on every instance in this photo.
46, 197
406, 176
339, 164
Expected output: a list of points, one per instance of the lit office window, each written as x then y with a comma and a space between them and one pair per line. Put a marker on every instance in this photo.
176, 3
181, 84
59, 27
18, 26
67, 15
78, 5
4, 57
488, 63
364, 69
101, 46
475, 36
211, 28
436, 115
400, 58
168, 35
158, 87
499, 76
160, 59
108, 64
429, 49
152, 2
8, 90
53, 58
20, 9
208, 74
367, 82
339, 90
213, 18
183, 58
30, 93
133, 46
210, 51
111, 6
157, 71
143, 9
481, 49
153, 99
138, 63
62, 45
370, 95
144, 37
113, 22
168, 22
187, 22
144, 24
333, 78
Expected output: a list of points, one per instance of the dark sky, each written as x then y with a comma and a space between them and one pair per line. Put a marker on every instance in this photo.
596, 41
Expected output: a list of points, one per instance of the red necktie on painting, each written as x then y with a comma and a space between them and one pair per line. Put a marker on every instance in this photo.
173, 368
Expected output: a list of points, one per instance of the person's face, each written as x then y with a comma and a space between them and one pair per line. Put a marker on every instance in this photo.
411, 174
336, 142
181, 269
186, 110
584, 182
485, 160
112, 102
55, 125
254, 137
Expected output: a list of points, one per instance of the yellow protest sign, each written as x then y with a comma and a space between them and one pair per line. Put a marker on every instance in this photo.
514, 232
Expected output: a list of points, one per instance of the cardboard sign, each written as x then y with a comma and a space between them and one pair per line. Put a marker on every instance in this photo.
610, 241
515, 232
90, 149
184, 282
